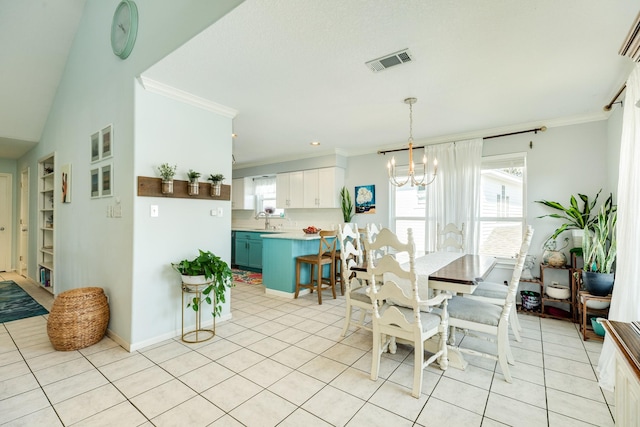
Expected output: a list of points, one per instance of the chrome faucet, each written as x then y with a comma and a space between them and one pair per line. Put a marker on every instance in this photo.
266, 219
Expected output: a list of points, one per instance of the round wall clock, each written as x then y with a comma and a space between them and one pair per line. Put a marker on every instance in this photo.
124, 28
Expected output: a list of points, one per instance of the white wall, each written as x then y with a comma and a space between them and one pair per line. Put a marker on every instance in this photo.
97, 88
192, 138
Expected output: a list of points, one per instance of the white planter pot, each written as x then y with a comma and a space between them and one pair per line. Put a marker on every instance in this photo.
576, 236
194, 280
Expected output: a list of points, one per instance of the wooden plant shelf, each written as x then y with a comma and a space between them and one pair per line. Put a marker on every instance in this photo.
152, 187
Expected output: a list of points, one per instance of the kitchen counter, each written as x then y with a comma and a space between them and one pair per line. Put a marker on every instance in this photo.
279, 260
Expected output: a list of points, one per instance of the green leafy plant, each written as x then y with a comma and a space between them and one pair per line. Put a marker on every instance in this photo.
193, 175
599, 246
167, 171
346, 204
216, 178
212, 268
575, 218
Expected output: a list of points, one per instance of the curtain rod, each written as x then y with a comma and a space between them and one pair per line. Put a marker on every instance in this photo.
613, 100
536, 130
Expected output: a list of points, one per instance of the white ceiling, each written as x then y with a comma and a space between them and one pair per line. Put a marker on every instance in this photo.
294, 70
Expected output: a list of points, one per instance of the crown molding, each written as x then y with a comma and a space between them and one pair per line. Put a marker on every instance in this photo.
186, 97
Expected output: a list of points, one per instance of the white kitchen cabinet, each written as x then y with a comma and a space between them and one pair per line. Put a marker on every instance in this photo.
242, 196
322, 187
290, 190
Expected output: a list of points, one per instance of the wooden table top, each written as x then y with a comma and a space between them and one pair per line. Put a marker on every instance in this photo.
627, 338
466, 270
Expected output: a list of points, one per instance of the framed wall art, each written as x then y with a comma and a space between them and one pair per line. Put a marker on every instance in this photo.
95, 183
66, 183
106, 135
106, 180
95, 147
366, 199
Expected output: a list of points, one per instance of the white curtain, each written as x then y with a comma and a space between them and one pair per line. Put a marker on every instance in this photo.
625, 303
455, 194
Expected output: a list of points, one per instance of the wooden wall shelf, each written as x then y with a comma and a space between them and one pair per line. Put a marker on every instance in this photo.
151, 187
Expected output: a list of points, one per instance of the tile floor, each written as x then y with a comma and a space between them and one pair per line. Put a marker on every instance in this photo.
282, 362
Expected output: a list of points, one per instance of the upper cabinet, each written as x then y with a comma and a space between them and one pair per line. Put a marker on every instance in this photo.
290, 190
314, 188
242, 196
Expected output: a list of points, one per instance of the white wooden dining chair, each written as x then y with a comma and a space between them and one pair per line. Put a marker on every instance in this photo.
450, 238
401, 316
356, 295
473, 315
496, 293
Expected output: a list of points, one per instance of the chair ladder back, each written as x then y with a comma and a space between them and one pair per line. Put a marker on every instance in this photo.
517, 271
327, 247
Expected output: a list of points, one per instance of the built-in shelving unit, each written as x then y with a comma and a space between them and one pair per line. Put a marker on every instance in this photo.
46, 221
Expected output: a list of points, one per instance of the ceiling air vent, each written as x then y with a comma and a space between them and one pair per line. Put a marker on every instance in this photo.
388, 61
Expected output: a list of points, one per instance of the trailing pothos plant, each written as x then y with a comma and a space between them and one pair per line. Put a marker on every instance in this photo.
212, 268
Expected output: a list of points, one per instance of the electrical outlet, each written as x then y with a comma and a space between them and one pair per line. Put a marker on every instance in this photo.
220, 212
213, 212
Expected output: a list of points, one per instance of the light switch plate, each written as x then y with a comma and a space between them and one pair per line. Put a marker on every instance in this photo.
154, 211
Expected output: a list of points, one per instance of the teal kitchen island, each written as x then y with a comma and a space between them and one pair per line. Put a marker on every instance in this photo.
279, 252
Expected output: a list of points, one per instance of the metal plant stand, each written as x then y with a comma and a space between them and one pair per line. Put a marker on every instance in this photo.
199, 334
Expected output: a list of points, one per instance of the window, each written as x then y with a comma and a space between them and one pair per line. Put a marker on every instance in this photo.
502, 208
265, 190
409, 212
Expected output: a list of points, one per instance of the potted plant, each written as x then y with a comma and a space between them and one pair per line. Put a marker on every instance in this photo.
346, 204
216, 183
167, 173
599, 249
210, 269
576, 219
193, 186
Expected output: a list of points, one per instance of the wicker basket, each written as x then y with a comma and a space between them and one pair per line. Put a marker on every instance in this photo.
78, 318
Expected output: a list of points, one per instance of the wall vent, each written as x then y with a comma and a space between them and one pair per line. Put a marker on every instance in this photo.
391, 60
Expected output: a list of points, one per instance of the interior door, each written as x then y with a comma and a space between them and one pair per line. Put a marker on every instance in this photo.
23, 240
5, 222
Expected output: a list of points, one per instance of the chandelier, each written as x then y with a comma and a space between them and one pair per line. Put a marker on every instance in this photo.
411, 177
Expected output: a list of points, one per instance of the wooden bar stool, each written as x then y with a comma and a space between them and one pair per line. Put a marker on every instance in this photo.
326, 256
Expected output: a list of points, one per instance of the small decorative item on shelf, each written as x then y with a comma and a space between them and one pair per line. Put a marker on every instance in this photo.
552, 256
597, 326
167, 173
216, 183
557, 291
194, 186
529, 262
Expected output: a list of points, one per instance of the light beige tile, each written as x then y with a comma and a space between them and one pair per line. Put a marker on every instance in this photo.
514, 412
571, 353
293, 357
218, 349
297, 387
323, 369
17, 385
104, 344
13, 370
166, 352
51, 359
439, 413
123, 415
246, 337
469, 397
398, 399
558, 420
574, 385
88, 404
344, 353
232, 392
125, 367
579, 408
63, 370
73, 386
291, 336
206, 376
22, 404
524, 391
474, 375
184, 363
266, 372
333, 406
371, 415
43, 417
196, 411
561, 364
300, 417
268, 346
162, 398
240, 360
357, 383
142, 381
265, 408
109, 355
